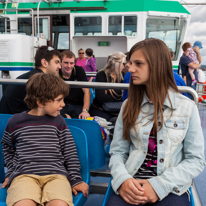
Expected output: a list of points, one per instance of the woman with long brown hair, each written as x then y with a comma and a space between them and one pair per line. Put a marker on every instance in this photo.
158, 144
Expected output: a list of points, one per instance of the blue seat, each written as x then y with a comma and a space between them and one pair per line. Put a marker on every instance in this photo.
94, 139
82, 151
3, 122
110, 191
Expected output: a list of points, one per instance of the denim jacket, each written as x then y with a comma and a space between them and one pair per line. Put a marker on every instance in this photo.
180, 144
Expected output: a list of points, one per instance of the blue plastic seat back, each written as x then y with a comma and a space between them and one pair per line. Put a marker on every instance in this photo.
110, 191
82, 151
94, 139
3, 122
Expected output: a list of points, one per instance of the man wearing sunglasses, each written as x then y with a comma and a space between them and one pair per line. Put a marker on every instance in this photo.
47, 60
78, 101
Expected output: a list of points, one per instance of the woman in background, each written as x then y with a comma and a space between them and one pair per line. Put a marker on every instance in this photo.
90, 63
112, 73
81, 59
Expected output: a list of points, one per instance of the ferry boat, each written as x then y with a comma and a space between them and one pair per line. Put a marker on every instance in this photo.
105, 26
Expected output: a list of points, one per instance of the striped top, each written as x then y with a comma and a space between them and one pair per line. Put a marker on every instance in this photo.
149, 167
40, 145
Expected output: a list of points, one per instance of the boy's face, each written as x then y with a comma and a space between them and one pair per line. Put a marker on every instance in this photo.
53, 108
54, 65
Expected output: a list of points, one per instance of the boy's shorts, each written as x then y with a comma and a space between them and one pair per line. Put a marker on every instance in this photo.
40, 189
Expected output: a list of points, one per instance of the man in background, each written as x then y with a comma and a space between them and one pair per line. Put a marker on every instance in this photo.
47, 60
78, 101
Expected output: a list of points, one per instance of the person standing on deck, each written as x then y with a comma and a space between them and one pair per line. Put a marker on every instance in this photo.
81, 59
185, 63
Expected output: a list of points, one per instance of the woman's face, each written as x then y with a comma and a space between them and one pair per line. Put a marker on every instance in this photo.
81, 54
139, 68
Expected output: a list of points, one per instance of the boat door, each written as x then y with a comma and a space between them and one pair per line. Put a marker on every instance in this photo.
54, 28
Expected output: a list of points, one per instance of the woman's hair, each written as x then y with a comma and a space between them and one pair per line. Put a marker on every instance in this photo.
89, 52
80, 50
160, 79
45, 88
114, 65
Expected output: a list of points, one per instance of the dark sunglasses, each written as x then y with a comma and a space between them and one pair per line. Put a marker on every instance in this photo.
49, 48
81, 53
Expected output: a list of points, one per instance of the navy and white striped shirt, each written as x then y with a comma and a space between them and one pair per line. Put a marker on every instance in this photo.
40, 145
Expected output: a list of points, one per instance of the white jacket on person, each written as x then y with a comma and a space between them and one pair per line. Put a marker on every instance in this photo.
180, 146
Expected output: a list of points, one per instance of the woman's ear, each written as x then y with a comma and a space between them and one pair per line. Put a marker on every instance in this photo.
39, 103
44, 63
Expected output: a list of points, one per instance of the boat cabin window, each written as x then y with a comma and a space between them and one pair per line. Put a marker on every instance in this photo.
2, 25
25, 26
44, 27
60, 32
127, 23
168, 30
130, 25
88, 26
115, 25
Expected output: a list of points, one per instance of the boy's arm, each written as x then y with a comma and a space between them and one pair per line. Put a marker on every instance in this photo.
8, 151
69, 152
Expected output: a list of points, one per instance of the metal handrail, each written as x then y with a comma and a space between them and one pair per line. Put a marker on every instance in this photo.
99, 85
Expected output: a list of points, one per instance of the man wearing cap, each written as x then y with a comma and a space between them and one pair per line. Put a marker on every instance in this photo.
47, 60
185, 63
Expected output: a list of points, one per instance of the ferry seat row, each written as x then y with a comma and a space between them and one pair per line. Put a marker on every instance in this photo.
82, 151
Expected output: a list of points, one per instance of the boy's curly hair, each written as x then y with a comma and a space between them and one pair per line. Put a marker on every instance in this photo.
44, 87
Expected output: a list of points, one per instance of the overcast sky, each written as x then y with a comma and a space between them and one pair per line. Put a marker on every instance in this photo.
197, 27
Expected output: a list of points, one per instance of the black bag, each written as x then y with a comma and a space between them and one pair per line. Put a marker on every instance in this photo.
112, 106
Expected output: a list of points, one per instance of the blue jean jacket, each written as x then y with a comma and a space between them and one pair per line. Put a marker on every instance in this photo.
180, 144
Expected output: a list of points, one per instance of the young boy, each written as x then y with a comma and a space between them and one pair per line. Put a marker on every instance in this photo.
39, 150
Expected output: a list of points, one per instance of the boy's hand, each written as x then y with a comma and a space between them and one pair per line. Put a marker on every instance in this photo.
81, 187
5, 183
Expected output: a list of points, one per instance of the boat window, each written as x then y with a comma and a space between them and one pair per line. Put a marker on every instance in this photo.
25, 26
44, 27
88, 26
63, 41
2, 25
130, 25
115, 25
168, 30
60, 30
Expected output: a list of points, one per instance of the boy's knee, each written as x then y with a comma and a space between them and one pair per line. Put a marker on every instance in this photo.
56, 202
